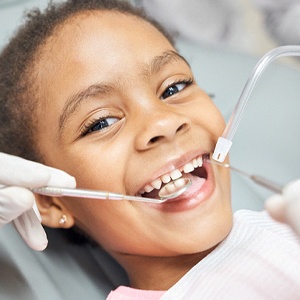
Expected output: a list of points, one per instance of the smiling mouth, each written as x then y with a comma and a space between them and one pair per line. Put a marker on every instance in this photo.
193, 168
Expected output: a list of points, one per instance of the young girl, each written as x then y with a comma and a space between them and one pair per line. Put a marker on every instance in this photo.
98, 90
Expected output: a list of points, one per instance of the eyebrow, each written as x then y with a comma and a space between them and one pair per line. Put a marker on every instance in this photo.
158, 62
73, 102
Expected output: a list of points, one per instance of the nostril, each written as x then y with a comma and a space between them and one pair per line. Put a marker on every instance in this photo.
181, 127
157, 138
154, 139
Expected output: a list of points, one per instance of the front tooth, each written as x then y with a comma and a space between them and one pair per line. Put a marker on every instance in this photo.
175, 174
148, 188
188, 168
200, 161
156, 183
166, 178
195, 163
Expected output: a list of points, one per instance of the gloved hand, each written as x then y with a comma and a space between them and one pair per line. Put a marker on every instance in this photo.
17, 202
286, 207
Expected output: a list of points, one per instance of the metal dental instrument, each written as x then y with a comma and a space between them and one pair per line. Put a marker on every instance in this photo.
91, 194
225, 141
262, 181
102, 195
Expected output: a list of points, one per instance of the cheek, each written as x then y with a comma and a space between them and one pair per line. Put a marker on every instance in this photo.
93, 165
205, 114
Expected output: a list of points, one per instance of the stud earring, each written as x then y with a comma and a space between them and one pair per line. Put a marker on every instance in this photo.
62, 220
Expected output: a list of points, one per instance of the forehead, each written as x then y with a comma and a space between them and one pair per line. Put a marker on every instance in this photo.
100, 30
98, 40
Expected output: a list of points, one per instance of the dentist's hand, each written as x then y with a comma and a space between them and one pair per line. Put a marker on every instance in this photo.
17, 175
286, 207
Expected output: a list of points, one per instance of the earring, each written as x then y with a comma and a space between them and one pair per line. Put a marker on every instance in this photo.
62, 220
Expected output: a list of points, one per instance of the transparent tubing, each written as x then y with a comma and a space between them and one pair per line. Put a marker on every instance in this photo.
225, 141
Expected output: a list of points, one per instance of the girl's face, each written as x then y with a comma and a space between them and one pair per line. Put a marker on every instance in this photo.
119, 111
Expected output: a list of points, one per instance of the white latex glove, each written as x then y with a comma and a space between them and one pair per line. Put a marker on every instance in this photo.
286, 207
17, 201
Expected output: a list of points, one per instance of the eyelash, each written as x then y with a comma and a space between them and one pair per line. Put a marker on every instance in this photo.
187, 82
88, 127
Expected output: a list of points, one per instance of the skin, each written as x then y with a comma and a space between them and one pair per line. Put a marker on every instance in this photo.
148, 136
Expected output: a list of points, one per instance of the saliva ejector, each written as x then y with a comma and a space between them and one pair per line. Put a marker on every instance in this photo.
225, 141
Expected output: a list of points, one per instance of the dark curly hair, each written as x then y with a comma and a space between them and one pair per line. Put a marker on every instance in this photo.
17, 89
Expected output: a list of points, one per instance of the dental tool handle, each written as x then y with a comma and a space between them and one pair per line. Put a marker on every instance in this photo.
91, 194
61, 192
271, 185
225, 141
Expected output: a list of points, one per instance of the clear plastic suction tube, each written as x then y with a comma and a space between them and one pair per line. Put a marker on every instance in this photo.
225, 141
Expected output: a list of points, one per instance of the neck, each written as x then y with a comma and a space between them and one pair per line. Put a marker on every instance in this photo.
158, 273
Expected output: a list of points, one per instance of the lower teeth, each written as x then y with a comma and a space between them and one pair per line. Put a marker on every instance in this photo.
172, 187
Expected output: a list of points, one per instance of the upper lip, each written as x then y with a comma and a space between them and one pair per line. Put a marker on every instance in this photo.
172, 164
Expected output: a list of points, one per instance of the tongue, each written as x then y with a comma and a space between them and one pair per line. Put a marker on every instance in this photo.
197, 183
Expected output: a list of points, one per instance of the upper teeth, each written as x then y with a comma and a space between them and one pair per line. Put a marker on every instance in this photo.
175, 174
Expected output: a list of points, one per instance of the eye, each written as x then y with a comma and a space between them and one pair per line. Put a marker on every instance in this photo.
175, 88
99, 124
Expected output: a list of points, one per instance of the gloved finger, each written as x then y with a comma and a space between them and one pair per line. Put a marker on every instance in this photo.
14, 201
293, 214
36, 210
18, 171
21, 172
291, 194
286, 207
31, 230
275, 205
292, 190
60, 178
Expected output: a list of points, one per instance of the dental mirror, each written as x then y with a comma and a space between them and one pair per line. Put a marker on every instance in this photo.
174, 188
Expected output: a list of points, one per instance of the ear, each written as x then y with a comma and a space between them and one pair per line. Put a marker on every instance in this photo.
53, 212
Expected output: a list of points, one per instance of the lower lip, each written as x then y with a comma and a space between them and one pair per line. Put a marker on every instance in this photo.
200, 191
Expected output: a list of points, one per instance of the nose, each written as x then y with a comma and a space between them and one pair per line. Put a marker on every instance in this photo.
161, 127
